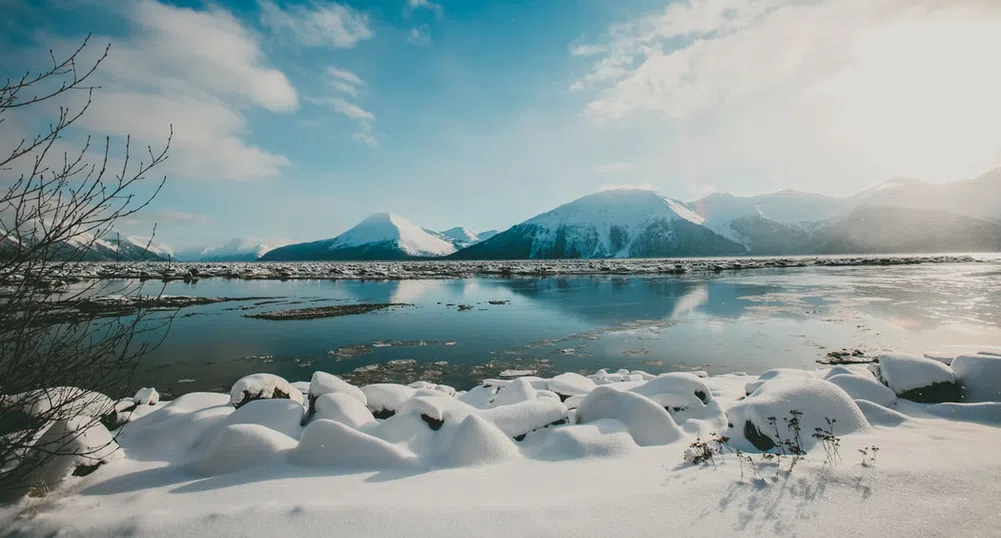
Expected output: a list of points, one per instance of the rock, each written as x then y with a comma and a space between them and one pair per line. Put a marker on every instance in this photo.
919, 379
980, 376
262, 387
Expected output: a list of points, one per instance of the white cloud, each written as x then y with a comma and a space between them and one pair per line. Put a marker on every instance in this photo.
896, 87
347, 108
160, 74
344, 76
317, 23
419, 36
413, 5
347, 84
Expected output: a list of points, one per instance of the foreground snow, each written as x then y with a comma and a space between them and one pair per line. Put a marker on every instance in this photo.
572, 455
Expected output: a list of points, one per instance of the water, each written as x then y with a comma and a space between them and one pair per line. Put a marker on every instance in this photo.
744, 321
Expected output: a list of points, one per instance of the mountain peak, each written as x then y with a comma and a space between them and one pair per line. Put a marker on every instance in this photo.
389, 228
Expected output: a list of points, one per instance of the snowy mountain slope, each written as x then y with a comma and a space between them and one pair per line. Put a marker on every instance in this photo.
979, 197
788, 207
612, 224
83, 246
234, 250
460, 237
382, 236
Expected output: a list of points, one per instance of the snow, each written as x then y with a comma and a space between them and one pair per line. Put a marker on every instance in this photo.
382, 227
262, 386
242, 446
903, 372
475, 441
768, 407
980, 375
615, 469
864, 388
648, 423
629, 211
571, 384
777, 373
68, 443
324, 383
329, 443
386, 396
68, 402
146, 396
344, 408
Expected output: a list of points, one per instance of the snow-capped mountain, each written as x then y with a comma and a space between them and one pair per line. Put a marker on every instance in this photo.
83, 246
234, 250
483, 236
612, 224
979, 197
382, 236
460, 237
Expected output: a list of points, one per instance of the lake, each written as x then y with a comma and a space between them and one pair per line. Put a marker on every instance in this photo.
747, 321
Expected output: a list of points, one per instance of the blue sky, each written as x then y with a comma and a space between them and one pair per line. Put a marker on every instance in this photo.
295, 119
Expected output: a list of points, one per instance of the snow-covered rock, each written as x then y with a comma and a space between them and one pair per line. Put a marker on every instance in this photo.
146, 396
344, 408
242, 446
980, 376
176, 427
864, 388
476, 441
281, 415
383, 399
262, 387
58, 403
517, 420
76, 445
329, 443
919, 379
647, 422
324, 383
604, 438
571, 384
757, 417
776, 373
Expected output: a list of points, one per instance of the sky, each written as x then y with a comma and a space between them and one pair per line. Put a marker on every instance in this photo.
294, 119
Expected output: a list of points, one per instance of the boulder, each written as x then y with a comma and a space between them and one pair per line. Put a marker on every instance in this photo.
262, 387
980, 376
919, 379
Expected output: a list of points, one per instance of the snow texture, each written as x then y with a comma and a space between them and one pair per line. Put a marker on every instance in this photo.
66, 444
324, 383
283, 416
262, 386
386, 227
344, 408
475, 441
648, 423
904, 373
146, 396
242, 446
777, 373
980, 375
864, 388
329, 443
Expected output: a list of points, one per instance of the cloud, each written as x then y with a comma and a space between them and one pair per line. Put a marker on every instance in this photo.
626, 186
174, 216
419, 36
317, 23
347, 84
158, 75
413, 5
897, 87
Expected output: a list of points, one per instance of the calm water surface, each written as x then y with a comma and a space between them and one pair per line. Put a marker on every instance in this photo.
747, 321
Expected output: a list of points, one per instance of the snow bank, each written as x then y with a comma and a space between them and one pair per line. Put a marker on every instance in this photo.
982, 412
878, 415
344, 408
476, 441
918, 379
329, 443
324, 383
647, 422
571, 384
175, 428
864, 388
242, 446
262, 387
980, 376
816, 399
603, 438
776, 373
283, 416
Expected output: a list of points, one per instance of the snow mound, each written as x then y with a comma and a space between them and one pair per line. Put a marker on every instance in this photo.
344, 408
176, 427
982, 412
324, 383
383, 399
63, 403
77, 445
283, 416
605, 438
476, 441
918, 379
480, 396
848, 370
647, 422
436, 410
520, 390
864, 388
329, 443
685, 396
517, 420
816, 399
242, 446
980, 376
878, 415
146, 396
262, 387
571, 384
776, 373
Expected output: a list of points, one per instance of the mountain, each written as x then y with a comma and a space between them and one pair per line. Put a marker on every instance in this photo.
788, 207
979, 197
234, 250
460, 237
111, 246
382, 236
871, 230
487, 234
623, 223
